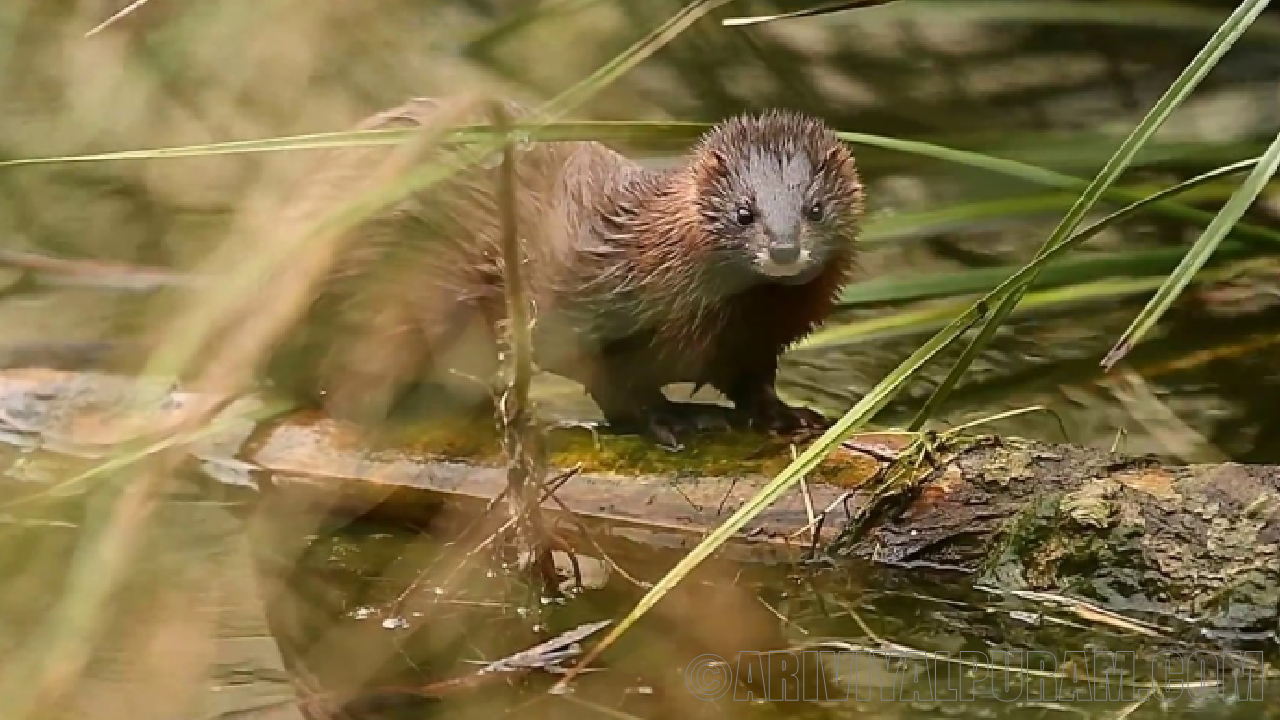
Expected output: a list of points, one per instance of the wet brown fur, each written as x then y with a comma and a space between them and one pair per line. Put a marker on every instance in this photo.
625, 278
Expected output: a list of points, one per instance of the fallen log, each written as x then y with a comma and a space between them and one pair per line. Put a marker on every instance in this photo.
1133, 535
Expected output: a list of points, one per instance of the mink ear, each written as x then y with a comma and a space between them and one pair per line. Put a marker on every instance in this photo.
718, 162
830, 159
713, 166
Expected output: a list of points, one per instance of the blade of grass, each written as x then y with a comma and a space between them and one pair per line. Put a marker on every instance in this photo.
311, 141
677, 24
1069, 271
520, 20
992, 214
1232, 28
653, 132
1041, 176
119, 15
643, 132
912, 322
577, 130
1007, 414
71, 626
856, 417
897, 226
826, 9
171, 357
1086, 151
1168, 15
804, 463
1199, 254
832, 335
37, 669
1043, 261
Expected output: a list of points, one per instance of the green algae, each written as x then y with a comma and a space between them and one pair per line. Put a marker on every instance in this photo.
720, 454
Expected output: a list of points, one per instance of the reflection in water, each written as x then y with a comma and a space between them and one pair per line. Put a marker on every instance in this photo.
865, 626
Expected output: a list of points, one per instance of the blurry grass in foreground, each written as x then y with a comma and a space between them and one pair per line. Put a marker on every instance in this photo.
54, 654
52, 659
980, 312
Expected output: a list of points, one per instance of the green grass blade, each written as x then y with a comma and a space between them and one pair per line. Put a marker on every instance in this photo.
520, 20
1087, 150
1199, 254
70, 628
611, 70
642, 132
807, 460
1167, 15
903, 288
1044, 260
313, 141
863, 411
825, 9
1204, 61
179, 353
586, 130
1042, 176
898, 226
1068, 271
914, 322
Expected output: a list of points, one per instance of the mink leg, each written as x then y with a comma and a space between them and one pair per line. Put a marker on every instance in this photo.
757, 405
636, 410
649, 413
701, 416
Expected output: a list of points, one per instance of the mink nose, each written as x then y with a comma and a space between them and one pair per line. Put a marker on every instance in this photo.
784, 254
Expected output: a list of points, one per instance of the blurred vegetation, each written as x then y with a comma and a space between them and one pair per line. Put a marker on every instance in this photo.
978, 125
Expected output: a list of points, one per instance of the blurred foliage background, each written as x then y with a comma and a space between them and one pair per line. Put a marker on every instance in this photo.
1056, 84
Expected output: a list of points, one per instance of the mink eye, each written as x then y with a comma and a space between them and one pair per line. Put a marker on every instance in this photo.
744, 216
814, 211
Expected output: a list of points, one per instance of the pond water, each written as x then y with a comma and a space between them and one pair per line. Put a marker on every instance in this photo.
861, 624
1054, 84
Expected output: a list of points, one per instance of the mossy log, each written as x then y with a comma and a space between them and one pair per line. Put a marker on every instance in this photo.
1131, 534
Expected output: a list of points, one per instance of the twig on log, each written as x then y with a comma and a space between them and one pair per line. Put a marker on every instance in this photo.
521, 438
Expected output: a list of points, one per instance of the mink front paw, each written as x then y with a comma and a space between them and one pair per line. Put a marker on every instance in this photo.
667, 422
660, 425
673, 419
776, 417
665, 429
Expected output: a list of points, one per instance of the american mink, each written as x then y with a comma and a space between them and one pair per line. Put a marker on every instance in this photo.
703, 273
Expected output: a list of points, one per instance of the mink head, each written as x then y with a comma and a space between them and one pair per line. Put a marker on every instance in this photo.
778, 193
